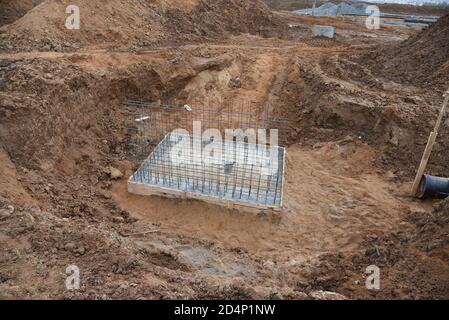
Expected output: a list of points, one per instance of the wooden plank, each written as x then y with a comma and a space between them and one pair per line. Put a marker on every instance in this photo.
147, 190
430, 143
423, 164
284, 176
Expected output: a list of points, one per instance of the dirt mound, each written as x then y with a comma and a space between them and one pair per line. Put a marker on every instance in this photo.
11, 10
180, 4
136, 23
413, 262
248, 16
340, 98
423, 59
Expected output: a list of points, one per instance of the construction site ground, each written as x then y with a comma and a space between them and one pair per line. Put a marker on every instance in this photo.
357, 133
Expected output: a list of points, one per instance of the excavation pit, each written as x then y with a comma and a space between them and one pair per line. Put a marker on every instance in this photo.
235, 174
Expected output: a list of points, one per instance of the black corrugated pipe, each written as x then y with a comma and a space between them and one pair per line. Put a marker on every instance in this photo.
433, 187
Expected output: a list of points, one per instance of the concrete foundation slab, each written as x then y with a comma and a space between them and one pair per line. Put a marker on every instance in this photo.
230, 173
323, 31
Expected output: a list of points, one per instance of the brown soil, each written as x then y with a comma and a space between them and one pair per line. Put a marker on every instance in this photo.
422, 59
356, 137
11, 10
137, 24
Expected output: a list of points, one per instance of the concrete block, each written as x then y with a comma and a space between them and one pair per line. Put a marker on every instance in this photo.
323, 31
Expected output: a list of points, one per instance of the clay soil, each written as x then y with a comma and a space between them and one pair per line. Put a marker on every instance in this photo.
356, 135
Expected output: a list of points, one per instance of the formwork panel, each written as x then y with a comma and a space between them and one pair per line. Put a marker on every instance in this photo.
231, 173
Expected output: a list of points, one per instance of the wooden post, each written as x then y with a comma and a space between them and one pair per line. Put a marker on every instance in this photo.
429, 147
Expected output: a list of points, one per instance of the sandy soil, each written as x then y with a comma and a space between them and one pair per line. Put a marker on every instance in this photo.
334, 197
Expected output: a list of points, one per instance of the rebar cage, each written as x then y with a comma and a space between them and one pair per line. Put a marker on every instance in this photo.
149, 122
244, 172
229, 166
